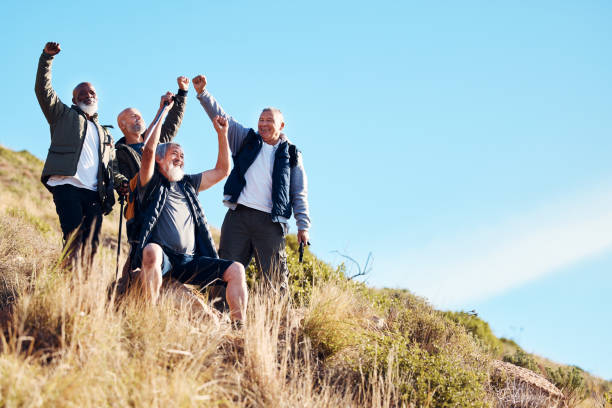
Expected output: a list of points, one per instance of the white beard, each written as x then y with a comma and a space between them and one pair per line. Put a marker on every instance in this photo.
175, 173
88, 109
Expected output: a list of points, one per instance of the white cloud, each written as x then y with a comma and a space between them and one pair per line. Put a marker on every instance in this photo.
486, 262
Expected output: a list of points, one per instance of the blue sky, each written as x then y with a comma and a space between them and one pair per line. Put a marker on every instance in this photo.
465, 144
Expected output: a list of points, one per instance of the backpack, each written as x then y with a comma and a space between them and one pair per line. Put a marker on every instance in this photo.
131, 211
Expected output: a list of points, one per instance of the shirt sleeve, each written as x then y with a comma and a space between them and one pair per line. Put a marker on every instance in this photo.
195, 180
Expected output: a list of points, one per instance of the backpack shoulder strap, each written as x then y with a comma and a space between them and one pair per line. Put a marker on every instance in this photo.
293, 155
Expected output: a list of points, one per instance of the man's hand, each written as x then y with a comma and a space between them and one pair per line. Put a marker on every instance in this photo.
52, 48
221, 125
303, 236
123, 189
199, 83
183, 82
167, 98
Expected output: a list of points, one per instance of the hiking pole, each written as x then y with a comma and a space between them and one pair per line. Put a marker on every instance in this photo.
121, 201
301, 250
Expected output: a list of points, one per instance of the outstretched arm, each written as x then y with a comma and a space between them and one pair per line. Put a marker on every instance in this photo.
50, 103
147, 164
236, 132
175, 116
222, 168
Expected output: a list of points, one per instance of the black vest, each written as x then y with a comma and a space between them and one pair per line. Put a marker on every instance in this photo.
284, 159
141, 226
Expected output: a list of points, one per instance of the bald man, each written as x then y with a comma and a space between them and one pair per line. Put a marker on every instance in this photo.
78, 170
133, 126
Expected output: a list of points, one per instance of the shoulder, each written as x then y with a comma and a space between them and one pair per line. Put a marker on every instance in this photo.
194, 180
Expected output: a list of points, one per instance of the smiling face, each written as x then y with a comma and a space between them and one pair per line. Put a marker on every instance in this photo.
85, 97
132, 125
84, 93
172, 163
270, 125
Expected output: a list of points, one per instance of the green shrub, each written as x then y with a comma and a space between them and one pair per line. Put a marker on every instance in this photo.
570, 380
478, 328
522, 359
425, 379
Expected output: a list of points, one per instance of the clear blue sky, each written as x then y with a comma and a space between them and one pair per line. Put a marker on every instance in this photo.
465, 144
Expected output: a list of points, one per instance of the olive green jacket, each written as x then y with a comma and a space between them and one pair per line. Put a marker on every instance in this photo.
68, 125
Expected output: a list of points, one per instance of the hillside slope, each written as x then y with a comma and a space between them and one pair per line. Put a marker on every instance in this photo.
334, 342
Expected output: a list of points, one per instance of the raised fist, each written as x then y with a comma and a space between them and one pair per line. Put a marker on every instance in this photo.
168, 98
199, 83
183, 83
221, 125
52, 48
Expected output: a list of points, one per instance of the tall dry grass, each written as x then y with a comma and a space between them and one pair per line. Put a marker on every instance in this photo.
66, 342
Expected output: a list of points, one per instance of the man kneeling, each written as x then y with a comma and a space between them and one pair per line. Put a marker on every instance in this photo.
173, 235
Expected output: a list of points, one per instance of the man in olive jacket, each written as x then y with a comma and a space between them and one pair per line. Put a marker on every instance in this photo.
79, 169
130, 121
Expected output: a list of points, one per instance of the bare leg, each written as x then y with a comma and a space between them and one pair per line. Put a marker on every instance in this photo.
150, 275
236, 291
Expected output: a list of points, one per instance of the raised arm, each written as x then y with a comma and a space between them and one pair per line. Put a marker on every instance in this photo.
175, 116
236, 132
222, 168
147, 164
48, 100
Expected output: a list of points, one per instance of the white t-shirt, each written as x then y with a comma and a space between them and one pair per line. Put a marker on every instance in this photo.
257, 193
87, 169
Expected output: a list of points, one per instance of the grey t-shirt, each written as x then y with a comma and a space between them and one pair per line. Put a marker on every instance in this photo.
175, 227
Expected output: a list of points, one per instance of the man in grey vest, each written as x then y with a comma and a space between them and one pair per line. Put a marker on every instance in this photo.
266, 185
80, 167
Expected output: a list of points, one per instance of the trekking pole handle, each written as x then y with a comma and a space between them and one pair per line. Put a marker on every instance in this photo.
301, 250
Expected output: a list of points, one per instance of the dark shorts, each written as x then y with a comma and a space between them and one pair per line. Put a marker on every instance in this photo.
199, 270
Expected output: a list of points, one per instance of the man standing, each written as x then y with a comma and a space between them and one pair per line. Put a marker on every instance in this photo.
173, 233
267, 182
131, 123
79, 166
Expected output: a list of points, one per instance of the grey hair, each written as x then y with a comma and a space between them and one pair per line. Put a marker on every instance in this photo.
162, 148
274, 111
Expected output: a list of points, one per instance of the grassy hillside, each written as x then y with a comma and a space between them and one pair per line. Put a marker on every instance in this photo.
334, 342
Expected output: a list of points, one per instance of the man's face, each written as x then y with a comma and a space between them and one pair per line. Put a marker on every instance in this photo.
172, 164
270, 126
132, 124
84, 96
84, 93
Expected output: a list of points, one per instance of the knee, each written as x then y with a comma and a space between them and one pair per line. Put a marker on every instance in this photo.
235, 272
151, 256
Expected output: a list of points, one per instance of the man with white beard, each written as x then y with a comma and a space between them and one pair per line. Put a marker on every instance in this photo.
173, 237
79, 166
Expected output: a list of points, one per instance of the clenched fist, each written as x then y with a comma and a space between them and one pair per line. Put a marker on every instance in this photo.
167, 98
52, 48
199, 83
183, 83
221, 125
